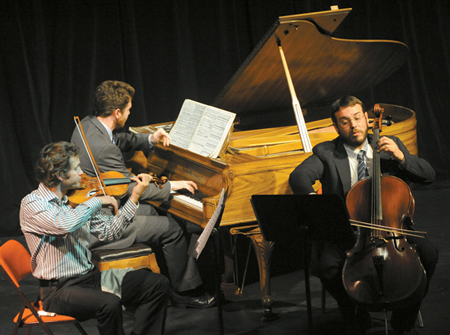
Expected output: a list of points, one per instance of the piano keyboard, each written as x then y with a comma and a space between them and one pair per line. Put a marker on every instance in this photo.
189, 199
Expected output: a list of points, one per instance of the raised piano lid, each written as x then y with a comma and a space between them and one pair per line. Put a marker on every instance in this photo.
323, 68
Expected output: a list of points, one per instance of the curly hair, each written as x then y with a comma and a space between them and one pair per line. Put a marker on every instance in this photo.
111, 95
346, 101
54, 162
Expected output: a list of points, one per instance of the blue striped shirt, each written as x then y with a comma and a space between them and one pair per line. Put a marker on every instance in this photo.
58, 235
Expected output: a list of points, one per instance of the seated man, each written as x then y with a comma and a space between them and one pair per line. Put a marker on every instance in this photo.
58, 238
112, 103
335, 164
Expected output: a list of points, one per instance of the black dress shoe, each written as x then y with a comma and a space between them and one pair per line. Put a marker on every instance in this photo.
202, 301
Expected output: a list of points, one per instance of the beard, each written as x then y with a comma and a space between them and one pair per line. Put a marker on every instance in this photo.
353, 141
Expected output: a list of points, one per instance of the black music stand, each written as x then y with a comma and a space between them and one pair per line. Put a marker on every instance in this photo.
311, 217
217, 274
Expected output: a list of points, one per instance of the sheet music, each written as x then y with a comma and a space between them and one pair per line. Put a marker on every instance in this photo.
198, 243
201, 128
186, 124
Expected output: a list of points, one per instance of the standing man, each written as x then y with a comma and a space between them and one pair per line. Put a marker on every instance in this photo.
58, 238
335, 165
112, 104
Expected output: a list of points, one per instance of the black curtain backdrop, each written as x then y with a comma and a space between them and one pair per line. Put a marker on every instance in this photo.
54, 53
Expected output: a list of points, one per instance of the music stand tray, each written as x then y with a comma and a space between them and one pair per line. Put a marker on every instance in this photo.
310, 217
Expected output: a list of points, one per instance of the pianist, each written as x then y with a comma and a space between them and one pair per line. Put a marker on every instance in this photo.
112, 104
334, 163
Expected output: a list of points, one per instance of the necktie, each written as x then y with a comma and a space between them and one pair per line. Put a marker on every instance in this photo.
362, 169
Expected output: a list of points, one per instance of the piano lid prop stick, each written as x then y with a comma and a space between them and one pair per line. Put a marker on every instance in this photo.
296, 105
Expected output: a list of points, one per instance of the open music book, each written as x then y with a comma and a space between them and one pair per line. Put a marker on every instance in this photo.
201, 128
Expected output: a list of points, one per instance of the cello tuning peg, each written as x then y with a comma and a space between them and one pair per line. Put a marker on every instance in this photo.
387, 121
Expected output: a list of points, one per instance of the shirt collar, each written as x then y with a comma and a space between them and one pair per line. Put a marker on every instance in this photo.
353, 152
49, 196
109, 131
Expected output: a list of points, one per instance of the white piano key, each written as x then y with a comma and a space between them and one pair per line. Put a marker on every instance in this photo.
189, 201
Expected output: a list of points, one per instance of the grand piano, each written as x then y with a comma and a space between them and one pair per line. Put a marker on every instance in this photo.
258, 159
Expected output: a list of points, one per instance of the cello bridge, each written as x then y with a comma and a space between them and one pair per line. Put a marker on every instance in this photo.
378, 240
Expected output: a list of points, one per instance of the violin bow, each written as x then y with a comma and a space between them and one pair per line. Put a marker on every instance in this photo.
91, 157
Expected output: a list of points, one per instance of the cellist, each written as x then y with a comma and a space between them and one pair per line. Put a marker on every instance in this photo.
335, 165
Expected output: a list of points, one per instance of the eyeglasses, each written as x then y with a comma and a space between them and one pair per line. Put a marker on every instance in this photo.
344, 122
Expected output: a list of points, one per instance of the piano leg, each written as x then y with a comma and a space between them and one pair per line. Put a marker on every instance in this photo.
263, 250
229, 285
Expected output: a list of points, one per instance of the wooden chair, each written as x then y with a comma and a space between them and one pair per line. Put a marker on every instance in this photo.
137, 256
15, 263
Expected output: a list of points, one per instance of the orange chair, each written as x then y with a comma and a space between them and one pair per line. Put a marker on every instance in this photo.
16, 265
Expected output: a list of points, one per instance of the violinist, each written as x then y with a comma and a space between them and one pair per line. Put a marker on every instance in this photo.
335, 165
112, 104
58, 236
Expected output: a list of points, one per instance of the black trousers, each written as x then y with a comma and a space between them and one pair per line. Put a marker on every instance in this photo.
81, 297
160, 231
328, 260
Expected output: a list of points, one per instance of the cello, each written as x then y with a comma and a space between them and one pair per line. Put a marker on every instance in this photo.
382, 271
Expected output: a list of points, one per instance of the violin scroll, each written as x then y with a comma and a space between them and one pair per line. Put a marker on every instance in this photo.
158, 181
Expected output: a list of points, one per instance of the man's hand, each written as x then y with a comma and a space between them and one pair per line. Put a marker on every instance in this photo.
184, 184
390, 147
108, 201
142, 181
160, 134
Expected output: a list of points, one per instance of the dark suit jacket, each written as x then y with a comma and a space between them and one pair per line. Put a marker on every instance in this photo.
329, 164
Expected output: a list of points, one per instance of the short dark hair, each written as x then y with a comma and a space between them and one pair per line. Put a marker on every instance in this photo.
346, 101
54, 161
111, 95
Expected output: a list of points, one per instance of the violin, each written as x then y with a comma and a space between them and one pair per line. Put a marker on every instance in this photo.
382, 271
110, 183
115, 182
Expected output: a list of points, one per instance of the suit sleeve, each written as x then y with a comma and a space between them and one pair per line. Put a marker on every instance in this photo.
305, 175
152, 192
413, 168
131, 141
